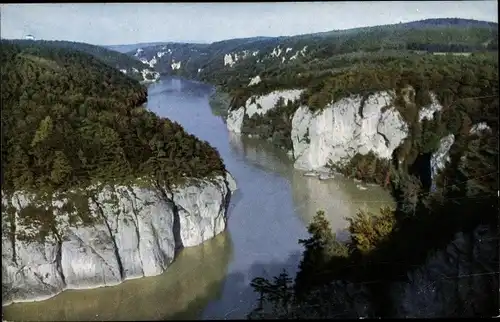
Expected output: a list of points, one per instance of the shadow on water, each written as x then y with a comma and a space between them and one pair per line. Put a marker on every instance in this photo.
339, 197
182, 292
244, 297
267, 216
184, 297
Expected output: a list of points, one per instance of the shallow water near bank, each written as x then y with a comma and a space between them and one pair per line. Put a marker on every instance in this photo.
268, 214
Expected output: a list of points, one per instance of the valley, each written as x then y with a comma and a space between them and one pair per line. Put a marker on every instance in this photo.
334, 174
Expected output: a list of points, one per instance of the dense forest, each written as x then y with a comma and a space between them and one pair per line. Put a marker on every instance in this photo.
109, 57
319, 52
455, 81
454, 59
385, 246
427, 36
70, 120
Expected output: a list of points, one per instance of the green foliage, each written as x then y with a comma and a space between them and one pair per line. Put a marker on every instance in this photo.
321, 248
109, 57
219, 102
369, 230
275, 125
278, 293
386, 246
366, 167
330, 52
69, 120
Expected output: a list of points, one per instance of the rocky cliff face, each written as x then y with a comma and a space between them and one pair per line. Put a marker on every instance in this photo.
345, 128
440, 157
129, 232
259, 105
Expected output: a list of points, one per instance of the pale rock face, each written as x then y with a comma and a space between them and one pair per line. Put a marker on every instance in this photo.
261, 106
254, 81
479, 127
175, 65
138, 52
231, 183
151, 62
235, 120
133, 236
338, 132
440, 157
276, 52
268, 101
295, 55
427, 112
303, 51
148, 72
228, 60
197, 207
160, 54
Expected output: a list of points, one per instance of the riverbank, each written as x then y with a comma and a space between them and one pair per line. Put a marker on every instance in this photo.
267, 215
219, 102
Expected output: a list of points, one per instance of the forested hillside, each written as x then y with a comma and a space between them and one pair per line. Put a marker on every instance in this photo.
120, 61
454, 59
70, 120
232, 63
314, 56
337, 279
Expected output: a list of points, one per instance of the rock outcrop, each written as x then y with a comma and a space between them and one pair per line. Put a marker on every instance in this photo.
128, 232
440, 157
347, 127
343, 128
258, 105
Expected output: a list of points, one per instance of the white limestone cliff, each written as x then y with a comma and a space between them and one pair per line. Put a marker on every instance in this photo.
258, 105
255, 80
149, 76
340, 130
441, 157
133, 232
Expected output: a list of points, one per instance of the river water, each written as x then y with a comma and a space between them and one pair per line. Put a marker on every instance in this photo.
268, 214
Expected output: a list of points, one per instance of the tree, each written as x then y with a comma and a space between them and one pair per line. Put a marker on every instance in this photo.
43, 132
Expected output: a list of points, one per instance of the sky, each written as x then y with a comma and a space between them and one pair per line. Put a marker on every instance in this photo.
129, 23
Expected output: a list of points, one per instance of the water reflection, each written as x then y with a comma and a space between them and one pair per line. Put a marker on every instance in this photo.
182, 292
178, 86
339, 197
267, 215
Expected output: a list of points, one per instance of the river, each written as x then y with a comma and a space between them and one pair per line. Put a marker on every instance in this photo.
268, 214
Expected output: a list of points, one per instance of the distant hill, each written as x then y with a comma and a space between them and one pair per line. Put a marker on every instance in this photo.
133, 47
122, 62
238, 60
